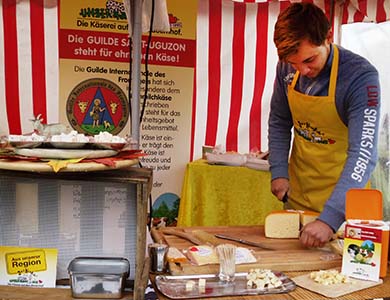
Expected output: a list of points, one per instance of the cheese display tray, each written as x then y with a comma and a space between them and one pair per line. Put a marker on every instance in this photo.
175, 286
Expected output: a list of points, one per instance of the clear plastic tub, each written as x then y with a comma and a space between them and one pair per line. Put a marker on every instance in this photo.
98, 277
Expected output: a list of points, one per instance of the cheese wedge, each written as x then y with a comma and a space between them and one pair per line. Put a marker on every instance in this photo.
307, 216
282, 224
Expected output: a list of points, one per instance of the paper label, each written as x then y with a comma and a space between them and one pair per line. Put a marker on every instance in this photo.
21, 266
26, 262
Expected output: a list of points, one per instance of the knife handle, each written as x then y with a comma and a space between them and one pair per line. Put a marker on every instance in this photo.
285, 198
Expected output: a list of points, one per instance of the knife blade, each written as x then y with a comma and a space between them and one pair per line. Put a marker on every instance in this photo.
231, 238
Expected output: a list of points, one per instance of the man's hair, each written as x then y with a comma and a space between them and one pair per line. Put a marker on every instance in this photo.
299, 22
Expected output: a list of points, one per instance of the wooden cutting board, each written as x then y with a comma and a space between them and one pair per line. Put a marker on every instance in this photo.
288, 255
335, 290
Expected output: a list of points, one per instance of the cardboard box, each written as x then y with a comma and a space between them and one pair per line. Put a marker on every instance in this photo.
365, 249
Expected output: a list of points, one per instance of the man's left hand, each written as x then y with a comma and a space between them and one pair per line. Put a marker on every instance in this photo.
315, 234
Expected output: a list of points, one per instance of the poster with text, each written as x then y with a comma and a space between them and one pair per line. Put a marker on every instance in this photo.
95, 77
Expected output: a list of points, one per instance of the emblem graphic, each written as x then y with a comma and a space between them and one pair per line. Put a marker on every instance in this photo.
96, 105
312, 134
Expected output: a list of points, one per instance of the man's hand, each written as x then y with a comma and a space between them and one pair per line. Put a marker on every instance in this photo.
279, 187
316, 234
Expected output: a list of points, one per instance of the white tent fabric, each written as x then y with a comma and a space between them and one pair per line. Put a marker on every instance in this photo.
373, 42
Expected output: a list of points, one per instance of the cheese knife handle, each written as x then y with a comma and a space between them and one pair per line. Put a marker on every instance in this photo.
285, 198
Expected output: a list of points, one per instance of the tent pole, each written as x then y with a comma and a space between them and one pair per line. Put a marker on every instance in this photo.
136, 52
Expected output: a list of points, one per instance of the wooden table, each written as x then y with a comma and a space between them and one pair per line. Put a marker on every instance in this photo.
254, 233
218, 195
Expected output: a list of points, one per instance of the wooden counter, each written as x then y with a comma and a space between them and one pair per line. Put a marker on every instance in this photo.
278, 259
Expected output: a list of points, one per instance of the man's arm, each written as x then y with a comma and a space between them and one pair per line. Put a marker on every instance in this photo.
362, 116
279, 127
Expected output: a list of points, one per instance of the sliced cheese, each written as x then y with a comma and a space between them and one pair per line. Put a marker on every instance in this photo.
282, 224
202, 255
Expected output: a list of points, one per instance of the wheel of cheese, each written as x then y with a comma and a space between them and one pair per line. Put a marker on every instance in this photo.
282, 224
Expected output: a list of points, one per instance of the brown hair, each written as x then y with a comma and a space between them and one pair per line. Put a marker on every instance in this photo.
298, 22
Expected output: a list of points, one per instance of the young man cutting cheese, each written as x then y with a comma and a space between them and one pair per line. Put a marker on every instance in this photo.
330, 97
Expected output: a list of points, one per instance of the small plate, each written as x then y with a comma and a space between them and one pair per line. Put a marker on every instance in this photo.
110, 146
227, 159
175, 286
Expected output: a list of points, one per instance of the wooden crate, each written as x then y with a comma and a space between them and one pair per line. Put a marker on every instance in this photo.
141, 178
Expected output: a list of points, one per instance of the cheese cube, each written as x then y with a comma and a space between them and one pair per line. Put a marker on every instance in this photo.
202, 285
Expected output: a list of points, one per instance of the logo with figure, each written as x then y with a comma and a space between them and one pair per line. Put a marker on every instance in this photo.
96, 105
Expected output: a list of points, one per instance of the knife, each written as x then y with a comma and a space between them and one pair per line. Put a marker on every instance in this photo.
285, 198
230, 238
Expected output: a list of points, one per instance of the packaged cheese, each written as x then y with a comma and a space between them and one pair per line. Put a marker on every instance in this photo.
282, 224
202, 255
366, 244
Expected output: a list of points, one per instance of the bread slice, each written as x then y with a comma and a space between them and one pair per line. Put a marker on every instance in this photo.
282, 224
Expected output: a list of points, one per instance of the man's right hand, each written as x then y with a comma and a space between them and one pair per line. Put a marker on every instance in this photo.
279, 187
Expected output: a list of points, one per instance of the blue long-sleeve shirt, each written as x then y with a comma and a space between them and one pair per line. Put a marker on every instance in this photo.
358, 105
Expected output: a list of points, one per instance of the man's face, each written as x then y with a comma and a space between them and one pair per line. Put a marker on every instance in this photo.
310, 59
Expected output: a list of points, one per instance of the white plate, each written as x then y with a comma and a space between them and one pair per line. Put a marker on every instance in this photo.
257, 163
110, 146
64, 153
68, 145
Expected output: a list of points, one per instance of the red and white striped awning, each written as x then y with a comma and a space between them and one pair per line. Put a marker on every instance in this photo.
376, 11
236, 62
366, 11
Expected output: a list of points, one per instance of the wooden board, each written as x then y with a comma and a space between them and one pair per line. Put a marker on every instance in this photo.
288, 255
335, 290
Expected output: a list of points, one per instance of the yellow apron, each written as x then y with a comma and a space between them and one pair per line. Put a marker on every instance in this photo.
320, 145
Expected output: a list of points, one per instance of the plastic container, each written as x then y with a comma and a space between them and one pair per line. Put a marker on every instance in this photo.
98, 277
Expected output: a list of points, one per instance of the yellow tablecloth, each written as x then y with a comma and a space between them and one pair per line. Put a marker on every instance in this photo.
215, 195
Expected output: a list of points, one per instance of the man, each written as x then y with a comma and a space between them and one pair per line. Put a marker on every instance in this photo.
330, 97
